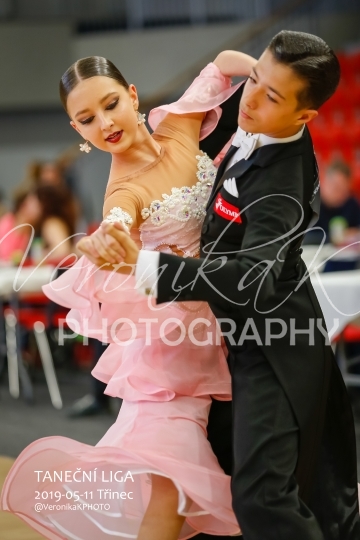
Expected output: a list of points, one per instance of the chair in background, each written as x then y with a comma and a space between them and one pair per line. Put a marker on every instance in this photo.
32, 313
350, 334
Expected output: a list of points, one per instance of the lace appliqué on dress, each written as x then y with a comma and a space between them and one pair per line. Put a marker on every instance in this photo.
118, 214
188, 202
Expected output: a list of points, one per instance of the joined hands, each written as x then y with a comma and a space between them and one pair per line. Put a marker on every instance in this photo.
111, 248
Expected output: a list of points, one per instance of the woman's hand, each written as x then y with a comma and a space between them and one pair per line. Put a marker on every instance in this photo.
124, 242
100, 247
111, 248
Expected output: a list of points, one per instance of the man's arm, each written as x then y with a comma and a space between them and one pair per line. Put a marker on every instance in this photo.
253, 272
251, 275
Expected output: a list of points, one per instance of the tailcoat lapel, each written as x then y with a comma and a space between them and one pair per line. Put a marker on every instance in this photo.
220, 172
236, 171
261, 157
315, 199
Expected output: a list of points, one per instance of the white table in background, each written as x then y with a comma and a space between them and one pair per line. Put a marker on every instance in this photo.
15, 281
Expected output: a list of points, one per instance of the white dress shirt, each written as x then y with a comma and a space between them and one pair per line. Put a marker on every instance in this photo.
146, 274
247, 143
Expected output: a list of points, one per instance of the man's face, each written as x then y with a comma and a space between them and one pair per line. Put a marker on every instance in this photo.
269, 102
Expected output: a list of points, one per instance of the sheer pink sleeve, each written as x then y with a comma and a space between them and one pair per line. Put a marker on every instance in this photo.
206, 93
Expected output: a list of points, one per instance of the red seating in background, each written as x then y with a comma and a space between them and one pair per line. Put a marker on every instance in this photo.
351, 333
336, 134
336, 131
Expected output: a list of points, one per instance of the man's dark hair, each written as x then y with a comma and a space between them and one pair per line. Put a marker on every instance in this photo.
312, 60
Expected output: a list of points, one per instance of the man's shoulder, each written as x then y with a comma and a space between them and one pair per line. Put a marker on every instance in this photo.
282, 154
280, 165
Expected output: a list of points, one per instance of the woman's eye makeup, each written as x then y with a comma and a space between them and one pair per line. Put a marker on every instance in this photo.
113, 104
109, 107
87, 120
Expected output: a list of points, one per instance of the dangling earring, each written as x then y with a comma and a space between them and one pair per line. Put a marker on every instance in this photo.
140, 118
85, 147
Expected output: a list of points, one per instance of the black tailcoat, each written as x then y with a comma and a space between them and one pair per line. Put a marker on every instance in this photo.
278, 196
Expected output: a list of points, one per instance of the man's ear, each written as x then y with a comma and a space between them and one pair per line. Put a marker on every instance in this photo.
307, 116
73, 125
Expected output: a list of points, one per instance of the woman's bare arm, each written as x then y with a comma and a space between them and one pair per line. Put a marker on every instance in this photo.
234, 63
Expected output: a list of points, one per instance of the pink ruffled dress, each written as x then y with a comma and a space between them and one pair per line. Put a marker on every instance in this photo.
166, 362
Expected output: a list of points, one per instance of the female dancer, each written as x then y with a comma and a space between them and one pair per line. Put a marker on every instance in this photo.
153, 475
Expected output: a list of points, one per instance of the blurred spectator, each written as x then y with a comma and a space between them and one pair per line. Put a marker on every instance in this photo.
58, 221
68, 162
16, 227
48, 212
339, 210
56, 174
3, 207
42, 173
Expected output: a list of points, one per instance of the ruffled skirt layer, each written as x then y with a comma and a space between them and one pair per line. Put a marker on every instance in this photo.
68, 490
155, 351
166, 363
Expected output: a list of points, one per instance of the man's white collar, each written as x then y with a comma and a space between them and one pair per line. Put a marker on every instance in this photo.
261, 139
247, 143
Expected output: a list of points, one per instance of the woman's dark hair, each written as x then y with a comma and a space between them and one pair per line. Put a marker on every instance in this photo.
85, 68
19, 197
312, 60
57, 202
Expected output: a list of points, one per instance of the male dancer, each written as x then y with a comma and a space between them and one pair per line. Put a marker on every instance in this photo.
294, 460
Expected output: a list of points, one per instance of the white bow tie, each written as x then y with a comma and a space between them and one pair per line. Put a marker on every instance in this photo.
246, 142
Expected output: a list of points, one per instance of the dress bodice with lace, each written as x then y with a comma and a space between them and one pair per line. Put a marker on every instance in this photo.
173, 188
176, 219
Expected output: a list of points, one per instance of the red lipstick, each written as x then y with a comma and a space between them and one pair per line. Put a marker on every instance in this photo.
114, 137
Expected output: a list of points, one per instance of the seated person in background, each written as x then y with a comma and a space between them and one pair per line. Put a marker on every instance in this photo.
3, 207
339, 216
339, 210
45, 173
16, 227
54, 173
57, 223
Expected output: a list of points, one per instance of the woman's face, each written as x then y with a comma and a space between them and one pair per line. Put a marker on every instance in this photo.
103, 112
